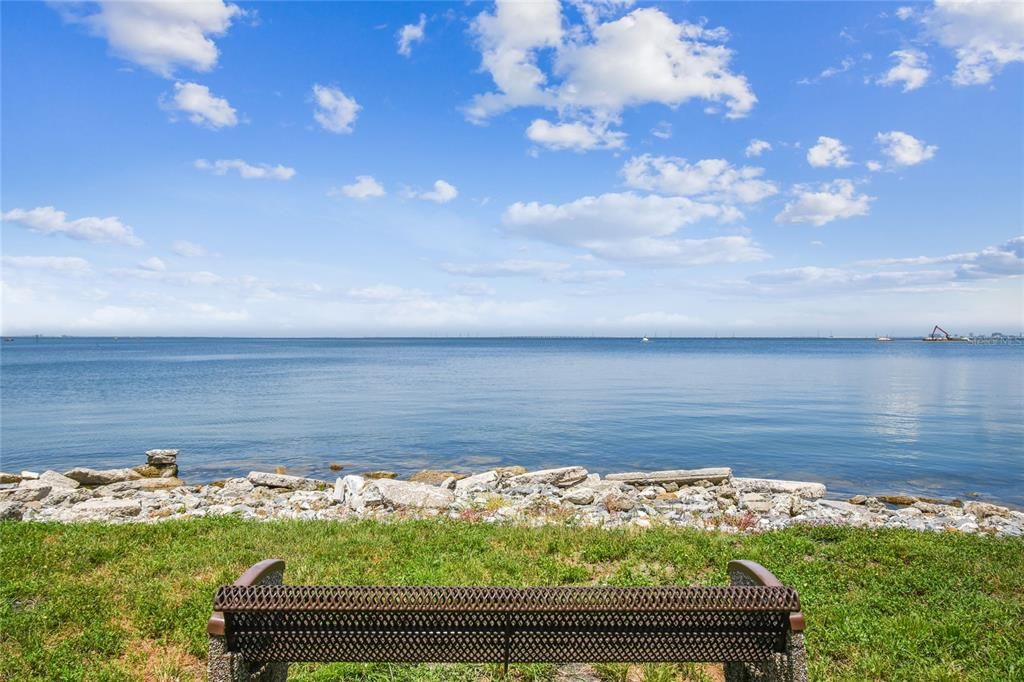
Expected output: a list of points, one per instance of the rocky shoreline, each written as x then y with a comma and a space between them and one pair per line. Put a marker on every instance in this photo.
711, 498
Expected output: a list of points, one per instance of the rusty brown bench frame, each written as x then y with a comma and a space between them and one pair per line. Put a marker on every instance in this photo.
754, 626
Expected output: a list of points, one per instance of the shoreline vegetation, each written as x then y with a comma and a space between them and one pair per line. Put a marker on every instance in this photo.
706, 499
103, 601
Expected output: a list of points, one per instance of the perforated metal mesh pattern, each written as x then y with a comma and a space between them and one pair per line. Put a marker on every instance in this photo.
481, 624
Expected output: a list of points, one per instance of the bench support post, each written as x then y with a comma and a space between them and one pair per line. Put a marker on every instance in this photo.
790, 666
227, 666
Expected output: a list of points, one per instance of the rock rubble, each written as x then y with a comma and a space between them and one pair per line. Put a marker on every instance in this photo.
710, 498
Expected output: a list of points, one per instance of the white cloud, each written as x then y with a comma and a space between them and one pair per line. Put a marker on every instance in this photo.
903, 149
845, 65
710, 179
383, 293
410, 34
598, 69
187, 249
757, 147
442, 193
575, 136
48, 220
985, 36
873, 166
662, 319
154, 264
475, 289
904, 13
365, 187
71, 265
629, 227
261, 171
1005, 260
507, 268
202, 107
160, 35
911, 69
828, 152
335, 111
824, 203
662, 131
201, 278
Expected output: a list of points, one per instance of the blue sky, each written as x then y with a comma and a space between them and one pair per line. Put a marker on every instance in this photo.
521, 168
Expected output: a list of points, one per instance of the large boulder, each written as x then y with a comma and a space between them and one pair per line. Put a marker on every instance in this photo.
477, 483
564, 477
104, 509
678, 477
58, 480
805, 489
87, 476
285, 481
161, 457
11, 510
140, 484
27, 491
408, 495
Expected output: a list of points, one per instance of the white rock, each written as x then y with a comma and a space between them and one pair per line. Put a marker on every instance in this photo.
756, 502
285, 481
58, 480
804, 489
563, 477
477, 483
87, 476
234, 487
982, 510
408, 495
31, 475
677, 476
162, 456
27, 491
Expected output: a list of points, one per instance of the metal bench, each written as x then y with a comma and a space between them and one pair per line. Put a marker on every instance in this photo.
260, 625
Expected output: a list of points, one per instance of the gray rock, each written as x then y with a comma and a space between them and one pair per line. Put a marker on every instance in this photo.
811, 491
845, 507
234, 487
11, 510
157, 470
58, 480
285, 481
407, 495
27, 491
31, 475
137, 485
580, 496
106, 508
563, 477
674, 476
161, 456
87, 476
756, 502
9, 478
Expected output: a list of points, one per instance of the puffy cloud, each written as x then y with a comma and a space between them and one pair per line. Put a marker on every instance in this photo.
630, 227
824, 203
1005, 260
71, 265
155, 264
757, 147
845, 65
202, 107
911, 69
160, 35
904, 149
600, 68
575, 136
873, 166
48, 220
187, 249
410, 34
710, 179
985, 36
365, 187
335, 111
828, 152
442, 193
646, 57
247, 171
904, 13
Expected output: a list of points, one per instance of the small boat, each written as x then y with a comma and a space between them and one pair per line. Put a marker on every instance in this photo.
883, 338
645, 340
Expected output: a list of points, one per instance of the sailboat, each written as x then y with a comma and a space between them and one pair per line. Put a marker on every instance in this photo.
645, 340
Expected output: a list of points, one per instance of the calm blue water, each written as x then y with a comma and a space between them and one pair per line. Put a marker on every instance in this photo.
861, 416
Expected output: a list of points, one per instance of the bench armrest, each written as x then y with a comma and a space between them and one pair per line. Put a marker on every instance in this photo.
269, 570
742, 572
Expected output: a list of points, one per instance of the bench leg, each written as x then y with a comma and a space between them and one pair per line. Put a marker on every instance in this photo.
225, 666
788, 667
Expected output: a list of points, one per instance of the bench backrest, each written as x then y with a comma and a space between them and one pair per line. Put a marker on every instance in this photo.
488, 624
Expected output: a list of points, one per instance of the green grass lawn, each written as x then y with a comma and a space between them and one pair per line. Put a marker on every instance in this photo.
96, 601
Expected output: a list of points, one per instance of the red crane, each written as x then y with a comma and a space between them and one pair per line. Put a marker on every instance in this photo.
937, 328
